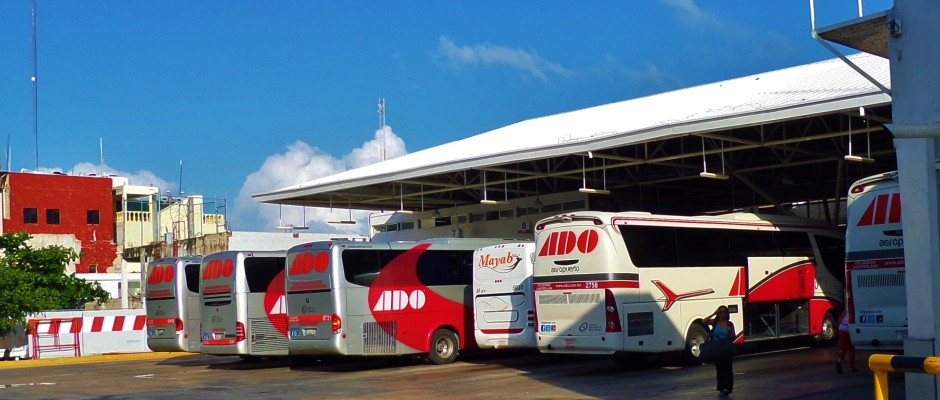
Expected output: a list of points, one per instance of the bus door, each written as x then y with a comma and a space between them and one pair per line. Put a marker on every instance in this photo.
504, 315
192, 305
265, 303
221, 330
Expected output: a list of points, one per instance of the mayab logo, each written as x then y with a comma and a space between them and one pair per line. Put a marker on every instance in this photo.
501, 264
397, 300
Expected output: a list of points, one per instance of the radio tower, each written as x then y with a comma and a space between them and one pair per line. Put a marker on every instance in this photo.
382, 125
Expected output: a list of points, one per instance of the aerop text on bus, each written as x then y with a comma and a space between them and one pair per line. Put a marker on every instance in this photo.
172, 303
504, 314
382, 299
874, 264
632, 284
242, 297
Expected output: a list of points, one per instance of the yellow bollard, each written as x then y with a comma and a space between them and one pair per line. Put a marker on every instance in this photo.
880, 364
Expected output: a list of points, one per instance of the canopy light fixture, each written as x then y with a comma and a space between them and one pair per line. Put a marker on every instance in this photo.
349, 221
290, 227
850, 156
584, 188
486, 200
712, 175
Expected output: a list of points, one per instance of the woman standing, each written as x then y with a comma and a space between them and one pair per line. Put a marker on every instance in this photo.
722, 329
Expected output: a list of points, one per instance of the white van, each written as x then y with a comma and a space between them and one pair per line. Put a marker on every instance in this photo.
874, 264
504, 313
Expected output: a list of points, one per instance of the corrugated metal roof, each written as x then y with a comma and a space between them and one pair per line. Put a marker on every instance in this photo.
805, 90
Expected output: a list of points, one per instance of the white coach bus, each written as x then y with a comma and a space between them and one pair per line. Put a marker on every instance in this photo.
172, 303
242, 297
874, 264
382, 299
632, 284
504, 314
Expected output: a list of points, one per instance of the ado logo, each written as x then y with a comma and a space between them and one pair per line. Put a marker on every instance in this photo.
395, 300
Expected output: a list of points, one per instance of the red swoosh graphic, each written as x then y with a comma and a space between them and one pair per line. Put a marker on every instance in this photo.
672, 297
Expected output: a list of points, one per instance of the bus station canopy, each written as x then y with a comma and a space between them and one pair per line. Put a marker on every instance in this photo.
780, 137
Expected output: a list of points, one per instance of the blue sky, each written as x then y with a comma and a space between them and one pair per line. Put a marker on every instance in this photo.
253, 96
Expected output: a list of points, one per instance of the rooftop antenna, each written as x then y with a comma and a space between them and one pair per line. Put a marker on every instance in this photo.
101, 154
35, 90
9, 152
382, 125
181, 178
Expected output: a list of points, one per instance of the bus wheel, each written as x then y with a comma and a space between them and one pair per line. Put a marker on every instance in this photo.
828, 332
444, 346
696, 336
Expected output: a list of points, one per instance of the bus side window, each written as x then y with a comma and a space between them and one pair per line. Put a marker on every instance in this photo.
832, 251
446, 267
651, 246
703, 248
746, 244
362, 266
260, 271
192, 277
794, 244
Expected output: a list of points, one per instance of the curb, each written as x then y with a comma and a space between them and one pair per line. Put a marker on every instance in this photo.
88, 359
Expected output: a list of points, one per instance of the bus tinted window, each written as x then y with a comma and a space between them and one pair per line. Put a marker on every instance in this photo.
446, 267
832, 251
192, 277
664, 246
260, 271
746, 244
651, 246
704, 248
794, 244
362, 266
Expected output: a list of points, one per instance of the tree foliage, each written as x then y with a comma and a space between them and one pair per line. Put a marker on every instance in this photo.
34, 280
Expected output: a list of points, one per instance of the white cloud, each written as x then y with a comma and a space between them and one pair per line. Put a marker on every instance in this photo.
140, 178
301, 163
527, 61
648, 74
691, 15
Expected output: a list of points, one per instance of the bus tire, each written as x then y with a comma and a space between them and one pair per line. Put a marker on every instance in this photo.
829, 330
444, 345
697, 335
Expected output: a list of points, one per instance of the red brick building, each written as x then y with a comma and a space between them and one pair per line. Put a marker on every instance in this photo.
71, 211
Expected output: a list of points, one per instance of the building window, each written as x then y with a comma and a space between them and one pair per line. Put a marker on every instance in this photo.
30, 216
92, 269
93, 217
52, 216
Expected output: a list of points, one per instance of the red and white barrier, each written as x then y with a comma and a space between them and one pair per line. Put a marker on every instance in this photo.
72, 333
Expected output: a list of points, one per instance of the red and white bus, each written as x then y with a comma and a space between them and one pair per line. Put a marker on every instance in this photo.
504, 314
172, 303
242, 297
382, 299
874, 264
632, 284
